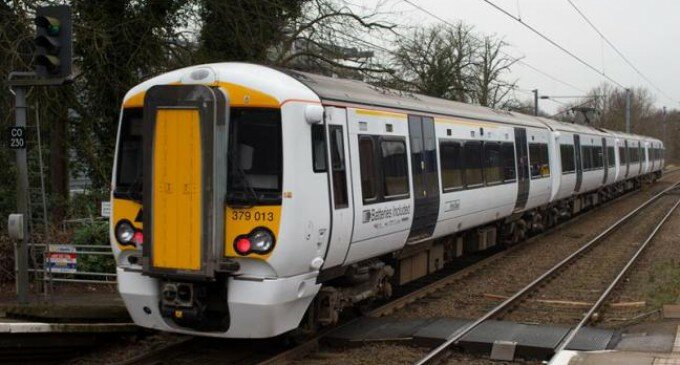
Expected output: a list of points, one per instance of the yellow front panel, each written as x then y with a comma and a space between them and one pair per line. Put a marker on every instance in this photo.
177, 190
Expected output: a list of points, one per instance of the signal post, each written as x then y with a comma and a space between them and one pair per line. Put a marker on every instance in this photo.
52, 67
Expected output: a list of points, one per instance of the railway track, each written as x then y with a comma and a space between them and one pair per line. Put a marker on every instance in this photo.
249, 354
440, 353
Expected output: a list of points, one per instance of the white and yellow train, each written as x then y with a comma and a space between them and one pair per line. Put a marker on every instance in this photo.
245, 197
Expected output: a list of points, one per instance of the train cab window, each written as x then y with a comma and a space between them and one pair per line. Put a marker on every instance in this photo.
367, 162
255, 159
337, 147
567, 158
508, 156
472, 160
597, 157
610, 156
539, 160
452, 169
129, 172
493, 165
395, 168
318, 148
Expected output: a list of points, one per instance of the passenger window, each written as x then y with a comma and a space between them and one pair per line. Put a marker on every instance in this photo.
395, 168
337, 144
508, 155
611, 157
597, 157
587, 157
622, 155
367, 166
472, 158
538, 157
318, 148
632, 153
493, 168
567, 158
452, 171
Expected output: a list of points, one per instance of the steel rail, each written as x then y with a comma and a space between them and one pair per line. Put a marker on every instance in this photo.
460, 333
586, 318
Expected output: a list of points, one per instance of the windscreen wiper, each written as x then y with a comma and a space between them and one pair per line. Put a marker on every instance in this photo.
247, 186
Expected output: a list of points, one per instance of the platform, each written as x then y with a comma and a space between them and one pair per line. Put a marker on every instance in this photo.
530, 341
48, 330
64, 308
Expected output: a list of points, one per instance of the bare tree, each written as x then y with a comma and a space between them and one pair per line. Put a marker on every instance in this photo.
313, 35
489, 88
451, 62
436, 61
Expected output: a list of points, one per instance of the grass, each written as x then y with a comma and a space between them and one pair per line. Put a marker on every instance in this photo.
664, 283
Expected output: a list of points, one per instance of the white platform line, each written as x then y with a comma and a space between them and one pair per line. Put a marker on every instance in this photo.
676, 345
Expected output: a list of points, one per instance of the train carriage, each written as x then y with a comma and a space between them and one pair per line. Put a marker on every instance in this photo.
245, 198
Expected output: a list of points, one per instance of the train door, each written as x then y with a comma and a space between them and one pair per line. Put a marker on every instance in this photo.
579, 164
522, 168
425, 176
341, 206
605, 160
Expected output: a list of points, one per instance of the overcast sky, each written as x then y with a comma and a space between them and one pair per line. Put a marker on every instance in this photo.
646, 32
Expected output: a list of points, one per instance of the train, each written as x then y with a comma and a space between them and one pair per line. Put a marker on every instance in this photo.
250, 201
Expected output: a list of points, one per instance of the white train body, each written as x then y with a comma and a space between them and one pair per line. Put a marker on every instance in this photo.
315, 187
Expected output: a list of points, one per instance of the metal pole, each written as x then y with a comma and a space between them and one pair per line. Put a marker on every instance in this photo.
20, 109
628, 106
535, 101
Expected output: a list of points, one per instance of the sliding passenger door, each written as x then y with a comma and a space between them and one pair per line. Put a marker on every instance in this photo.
425, 176
342, 217
522, 168
579, 163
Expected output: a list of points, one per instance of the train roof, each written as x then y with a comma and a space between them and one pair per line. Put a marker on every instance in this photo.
573, 127
331, 89
284, 84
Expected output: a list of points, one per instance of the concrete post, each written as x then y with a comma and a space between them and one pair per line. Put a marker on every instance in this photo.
22, 198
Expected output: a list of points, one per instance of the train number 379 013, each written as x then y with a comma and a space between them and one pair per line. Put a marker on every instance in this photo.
242, 215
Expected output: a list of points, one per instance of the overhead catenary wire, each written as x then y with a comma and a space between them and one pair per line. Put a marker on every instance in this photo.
518, 60
582, 14
549, 40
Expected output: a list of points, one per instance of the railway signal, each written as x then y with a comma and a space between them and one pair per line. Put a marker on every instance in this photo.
53, 42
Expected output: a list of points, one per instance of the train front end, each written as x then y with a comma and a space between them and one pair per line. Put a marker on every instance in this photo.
197, 204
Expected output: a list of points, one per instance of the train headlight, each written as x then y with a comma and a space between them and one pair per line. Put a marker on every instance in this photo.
125, 232
261, 240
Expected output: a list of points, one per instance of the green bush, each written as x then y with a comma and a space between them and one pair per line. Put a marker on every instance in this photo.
90, 234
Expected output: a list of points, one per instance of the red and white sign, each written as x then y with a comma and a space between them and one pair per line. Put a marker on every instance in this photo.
62, 259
